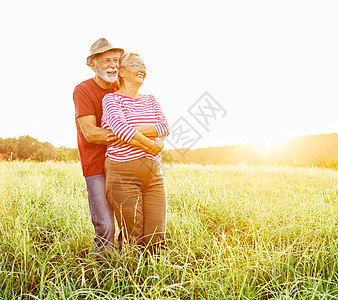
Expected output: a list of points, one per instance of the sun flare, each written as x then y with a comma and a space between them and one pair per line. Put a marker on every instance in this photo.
270, 143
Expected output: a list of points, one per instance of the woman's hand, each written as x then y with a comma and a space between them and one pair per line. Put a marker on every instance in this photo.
146, 144
156, 146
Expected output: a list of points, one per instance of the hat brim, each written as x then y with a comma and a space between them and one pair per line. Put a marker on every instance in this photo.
102, 51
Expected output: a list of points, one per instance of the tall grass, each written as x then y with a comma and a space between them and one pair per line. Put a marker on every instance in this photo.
234, 232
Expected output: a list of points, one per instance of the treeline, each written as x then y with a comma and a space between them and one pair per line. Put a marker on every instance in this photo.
28, 148
313, 150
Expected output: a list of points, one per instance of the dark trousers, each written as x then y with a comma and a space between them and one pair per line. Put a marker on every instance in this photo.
135, 190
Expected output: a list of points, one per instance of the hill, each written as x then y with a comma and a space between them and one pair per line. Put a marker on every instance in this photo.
311, 150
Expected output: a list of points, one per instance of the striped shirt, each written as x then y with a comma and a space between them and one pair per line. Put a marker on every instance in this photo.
122, 113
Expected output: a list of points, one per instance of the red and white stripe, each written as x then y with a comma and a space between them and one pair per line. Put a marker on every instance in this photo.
122, 113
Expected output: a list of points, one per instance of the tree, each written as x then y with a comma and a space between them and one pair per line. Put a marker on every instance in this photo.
28, 148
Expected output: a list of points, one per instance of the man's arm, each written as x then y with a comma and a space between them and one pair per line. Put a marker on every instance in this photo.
94, 134
98, 135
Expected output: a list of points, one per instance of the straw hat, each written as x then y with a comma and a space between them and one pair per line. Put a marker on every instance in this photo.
100, 46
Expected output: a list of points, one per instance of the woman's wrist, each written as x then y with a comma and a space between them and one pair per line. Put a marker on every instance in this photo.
151, 146
148, 131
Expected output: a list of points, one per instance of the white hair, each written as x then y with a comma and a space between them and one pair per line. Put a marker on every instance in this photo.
123, 62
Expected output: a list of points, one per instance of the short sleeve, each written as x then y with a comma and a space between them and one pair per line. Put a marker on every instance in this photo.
83, 105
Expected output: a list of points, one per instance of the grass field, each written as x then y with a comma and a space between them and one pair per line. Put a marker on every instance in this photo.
234, 232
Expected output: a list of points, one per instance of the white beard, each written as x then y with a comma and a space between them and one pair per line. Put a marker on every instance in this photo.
103, 74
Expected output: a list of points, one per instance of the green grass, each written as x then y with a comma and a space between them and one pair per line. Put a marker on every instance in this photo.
234, 232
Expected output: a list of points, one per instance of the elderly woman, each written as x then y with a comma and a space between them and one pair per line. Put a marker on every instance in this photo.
134, 180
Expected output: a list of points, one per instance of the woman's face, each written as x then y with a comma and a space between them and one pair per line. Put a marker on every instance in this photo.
134, 70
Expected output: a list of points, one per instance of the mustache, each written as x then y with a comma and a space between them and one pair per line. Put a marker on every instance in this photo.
111, 70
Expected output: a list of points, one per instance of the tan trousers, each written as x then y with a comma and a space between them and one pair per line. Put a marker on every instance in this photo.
135, 189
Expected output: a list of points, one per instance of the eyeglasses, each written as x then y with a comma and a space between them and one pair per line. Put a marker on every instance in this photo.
138, 66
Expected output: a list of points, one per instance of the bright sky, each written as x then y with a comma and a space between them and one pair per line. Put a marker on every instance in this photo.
272, 65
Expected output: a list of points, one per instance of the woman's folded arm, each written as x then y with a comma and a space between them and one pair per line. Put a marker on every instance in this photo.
114, 118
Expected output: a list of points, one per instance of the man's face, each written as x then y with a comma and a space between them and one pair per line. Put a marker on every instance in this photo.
106, 65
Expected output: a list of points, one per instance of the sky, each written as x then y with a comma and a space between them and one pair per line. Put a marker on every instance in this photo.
254, 71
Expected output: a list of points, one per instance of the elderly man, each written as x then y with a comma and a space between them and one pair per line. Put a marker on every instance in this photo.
92, 140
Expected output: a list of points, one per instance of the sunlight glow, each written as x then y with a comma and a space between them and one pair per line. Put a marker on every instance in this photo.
271, 143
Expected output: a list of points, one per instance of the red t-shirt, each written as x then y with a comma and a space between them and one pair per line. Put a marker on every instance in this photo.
88, 101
